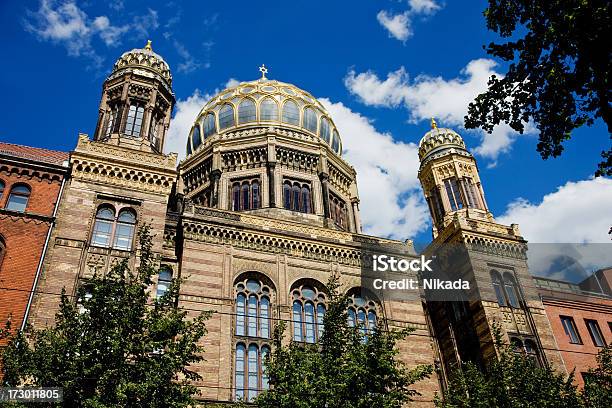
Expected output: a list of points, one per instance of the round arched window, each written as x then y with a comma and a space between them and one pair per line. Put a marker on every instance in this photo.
269, 109
362, 312
310, 120
246, 111
291, 113
308, 313
226, 116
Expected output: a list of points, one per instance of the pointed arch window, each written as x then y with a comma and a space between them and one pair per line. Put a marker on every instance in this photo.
269, 109
18, 198
324, 131
133, 123
196, 138
210, 127
310, 120
291, 113
246, 111
308, 309
226, 117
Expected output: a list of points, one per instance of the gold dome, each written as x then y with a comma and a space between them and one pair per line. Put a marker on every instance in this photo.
263, 103
439, 141
143, 59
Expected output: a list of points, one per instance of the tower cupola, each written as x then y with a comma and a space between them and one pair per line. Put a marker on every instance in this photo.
137, 101
449, 176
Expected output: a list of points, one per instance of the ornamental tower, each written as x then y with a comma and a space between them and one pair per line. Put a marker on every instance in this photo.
118, 181
489, 255
137, 102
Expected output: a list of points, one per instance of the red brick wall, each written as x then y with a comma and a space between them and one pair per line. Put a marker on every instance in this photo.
579, 356
24, 236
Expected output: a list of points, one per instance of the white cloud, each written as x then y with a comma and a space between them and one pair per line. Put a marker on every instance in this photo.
185, 113
68, 25
391, 200
427, 96
398, 25
144, 24
424, 6
189, 63
577, 212
232, 82
109, 34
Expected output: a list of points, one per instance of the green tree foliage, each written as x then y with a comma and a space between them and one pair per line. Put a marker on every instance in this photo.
598, 382
345, 370
117, 348
560, 55
516, 381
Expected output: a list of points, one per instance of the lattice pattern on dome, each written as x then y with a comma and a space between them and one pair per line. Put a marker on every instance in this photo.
144, 58
264, 103
437, 138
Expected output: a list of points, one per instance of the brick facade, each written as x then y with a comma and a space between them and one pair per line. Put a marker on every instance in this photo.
24, 233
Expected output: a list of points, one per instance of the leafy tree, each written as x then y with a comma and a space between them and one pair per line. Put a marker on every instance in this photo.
598, 382
116, 347
512, 381
345, 370
559, 76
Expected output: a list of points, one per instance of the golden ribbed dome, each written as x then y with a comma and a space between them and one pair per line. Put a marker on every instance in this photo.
438, 141
143, 59
263, 103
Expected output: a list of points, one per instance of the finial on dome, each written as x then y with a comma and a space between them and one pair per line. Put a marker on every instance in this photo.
434, 125
148, 46
263, 71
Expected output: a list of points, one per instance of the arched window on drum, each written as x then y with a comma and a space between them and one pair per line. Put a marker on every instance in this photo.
362, 312
308, 312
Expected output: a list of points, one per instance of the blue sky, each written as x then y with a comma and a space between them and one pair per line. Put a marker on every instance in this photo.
381, 67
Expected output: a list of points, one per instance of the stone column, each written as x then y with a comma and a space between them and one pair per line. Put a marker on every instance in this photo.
325, 188
271, 184
215, 176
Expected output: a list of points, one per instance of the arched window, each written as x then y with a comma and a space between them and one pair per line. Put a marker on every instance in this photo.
246, 195
250, 377
2, 185
510, 286
189, 151
324, 131
295, 197
124, 232
309, 305
226, 117
253, 308
517, 345
362, 312
310, 120
134, 120
291, 113
269, 109
253, 313
196, 138
246, 111
337, 210
305, 201
532, 351
255, 194
210, 127
164, 279
287, 195
18, 198
103, 227
336, 142
453, 193
497, 287
154, 131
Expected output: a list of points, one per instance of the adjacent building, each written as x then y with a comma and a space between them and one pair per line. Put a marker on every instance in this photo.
31, 181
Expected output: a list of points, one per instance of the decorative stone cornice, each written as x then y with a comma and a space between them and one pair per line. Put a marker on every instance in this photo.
126, 168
